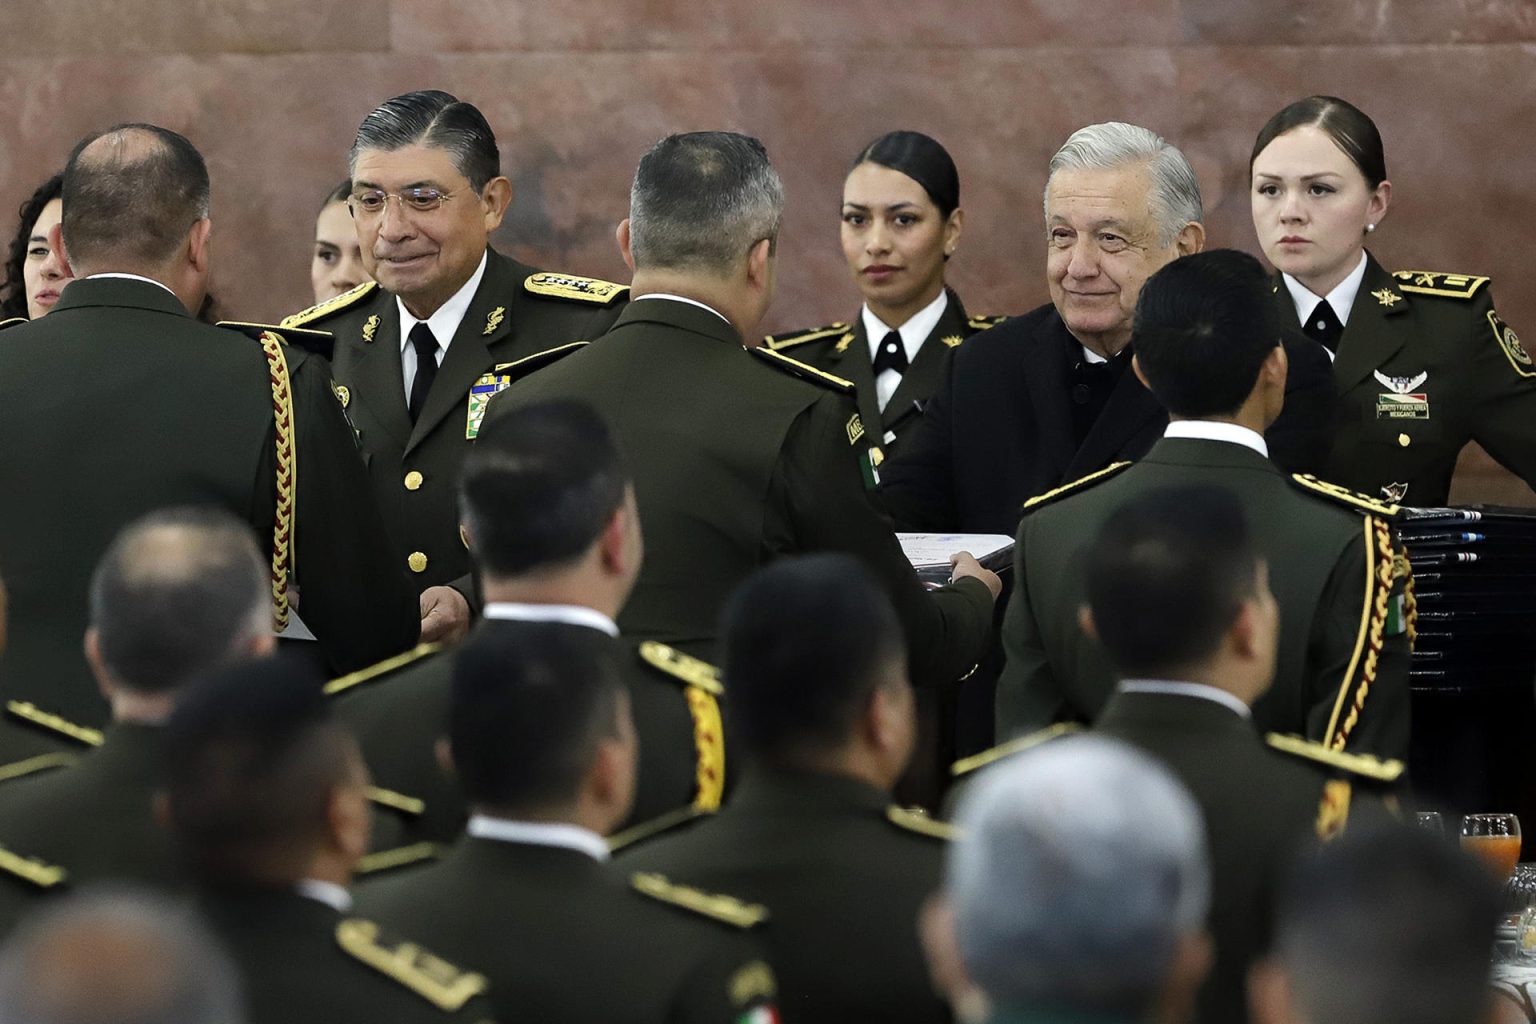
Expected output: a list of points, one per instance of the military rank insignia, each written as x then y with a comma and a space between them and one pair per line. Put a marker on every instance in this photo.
480, 395
370, 326
1387, 297
855, 428
1402, 400
494, 320
1515, 352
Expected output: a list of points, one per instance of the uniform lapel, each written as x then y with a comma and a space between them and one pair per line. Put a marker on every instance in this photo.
853, 363
1129, 409
1045, 375
922, 377
1373, 334
377, 375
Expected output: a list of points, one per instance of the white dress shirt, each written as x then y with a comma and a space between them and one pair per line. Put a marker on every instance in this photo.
681, 298
329, 893
1341, 300
1211, 430
130, 277
444, 324
538, 833
1200, 690
913, 333
570, 614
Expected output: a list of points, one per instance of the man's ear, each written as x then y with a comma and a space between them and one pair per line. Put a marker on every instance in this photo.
442, 750
496, 198
611, 542
1191, 239
1086, 624
93, 658
1136, 369
621, 235
350, 815
759, 263
56, 243
198, 249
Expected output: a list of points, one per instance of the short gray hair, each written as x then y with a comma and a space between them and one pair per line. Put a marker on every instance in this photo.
1080, 865
701, 200
1175, 195
114, 955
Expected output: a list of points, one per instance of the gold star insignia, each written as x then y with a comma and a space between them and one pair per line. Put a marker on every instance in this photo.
369, 326
494, 320
1387, 297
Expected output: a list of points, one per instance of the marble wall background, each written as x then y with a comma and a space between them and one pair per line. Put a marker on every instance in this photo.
271, 91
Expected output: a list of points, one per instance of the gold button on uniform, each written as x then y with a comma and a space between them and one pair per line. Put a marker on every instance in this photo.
413, 480
1404, 440
417, 561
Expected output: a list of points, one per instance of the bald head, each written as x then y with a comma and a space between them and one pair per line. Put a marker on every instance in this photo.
132, 194
178, 593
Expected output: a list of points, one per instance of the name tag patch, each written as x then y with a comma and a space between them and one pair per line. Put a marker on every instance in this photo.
1392, 406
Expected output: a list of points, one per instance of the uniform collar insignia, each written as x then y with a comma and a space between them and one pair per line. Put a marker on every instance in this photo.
369, 326
1401, 385
950, 341
1394, 493
1387, 297
844, 342
494, 320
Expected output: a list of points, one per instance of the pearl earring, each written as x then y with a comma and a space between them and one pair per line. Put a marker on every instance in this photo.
1369, 228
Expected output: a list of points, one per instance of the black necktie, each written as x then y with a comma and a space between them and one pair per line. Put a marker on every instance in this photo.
426, 367
1322, 326
891, 355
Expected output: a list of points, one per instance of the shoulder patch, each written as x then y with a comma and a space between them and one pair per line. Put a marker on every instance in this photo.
33, 765
29, 713
1344, 496
346, 300
578, 289
976, 762
1509, 343
656, 826
1446, 286
12, 322
916, 820
804, 371
435, 980
28, 869
1079, 484
790, 339
690, 670
408, 805
373, 672
722, 908
981, 323
1363, 765
399, 857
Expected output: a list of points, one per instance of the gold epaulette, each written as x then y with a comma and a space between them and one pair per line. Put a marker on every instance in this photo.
1364, 765
372, 672
397, 801
975, 762
690, 670
528, 364
285, 475
1344, 496
12, 322
579, 289
29, 713
39, 873
655, 827
399, 857
981, 323
1041, 500
917, 820
434, 979
805, 371
792, 338
346, 300
33, 765
722, 908
1446, 286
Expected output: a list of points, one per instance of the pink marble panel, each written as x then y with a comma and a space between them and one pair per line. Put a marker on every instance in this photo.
208, 26
1336, 23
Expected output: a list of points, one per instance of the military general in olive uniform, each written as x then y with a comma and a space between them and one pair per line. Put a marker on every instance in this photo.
419, 354
550, 517
738, 457
823, 710
1208, 348
118, 403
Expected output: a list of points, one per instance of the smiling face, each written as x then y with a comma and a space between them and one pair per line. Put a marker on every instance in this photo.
424, 257
895, 240
43, 273
337, 263
1102, 244
1311, 205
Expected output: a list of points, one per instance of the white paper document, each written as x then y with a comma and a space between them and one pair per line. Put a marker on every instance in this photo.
932, 550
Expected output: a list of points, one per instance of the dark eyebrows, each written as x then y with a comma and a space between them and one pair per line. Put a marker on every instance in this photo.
368, 186
902, 204
38, 238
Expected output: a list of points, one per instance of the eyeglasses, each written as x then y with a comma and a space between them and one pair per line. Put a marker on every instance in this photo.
421, 200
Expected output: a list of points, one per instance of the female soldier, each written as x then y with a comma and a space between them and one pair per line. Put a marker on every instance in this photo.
33, 273
1422, 361
901, 220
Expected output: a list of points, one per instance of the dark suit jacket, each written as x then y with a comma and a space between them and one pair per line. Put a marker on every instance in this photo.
736, 463
1317, 552
842, 883
117, 404
505, 322
1259, 809
562, 938
1477, 384
998, 430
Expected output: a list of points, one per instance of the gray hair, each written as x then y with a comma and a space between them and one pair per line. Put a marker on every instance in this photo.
1175, 195
116, 956
701, 200
1080, 865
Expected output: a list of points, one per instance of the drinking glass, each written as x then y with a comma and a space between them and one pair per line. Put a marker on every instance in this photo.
1495, 838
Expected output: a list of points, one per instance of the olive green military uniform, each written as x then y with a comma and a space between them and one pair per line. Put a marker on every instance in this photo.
516, 312
842, 875
399, 710
738, 458
561, 937
303, 962
117, 404
1424, 366
1335, 568
843, 349
1260, 806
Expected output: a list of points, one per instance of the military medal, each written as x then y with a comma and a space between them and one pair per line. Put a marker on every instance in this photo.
480, 395
1402, 400
494, 320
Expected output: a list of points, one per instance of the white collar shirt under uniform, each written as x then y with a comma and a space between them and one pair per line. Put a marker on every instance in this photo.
913, 333
538, 833
1200, 690
443, 324
1341, 300
1211, 430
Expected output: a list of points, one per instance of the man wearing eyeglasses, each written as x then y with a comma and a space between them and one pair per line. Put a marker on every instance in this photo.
446, 323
